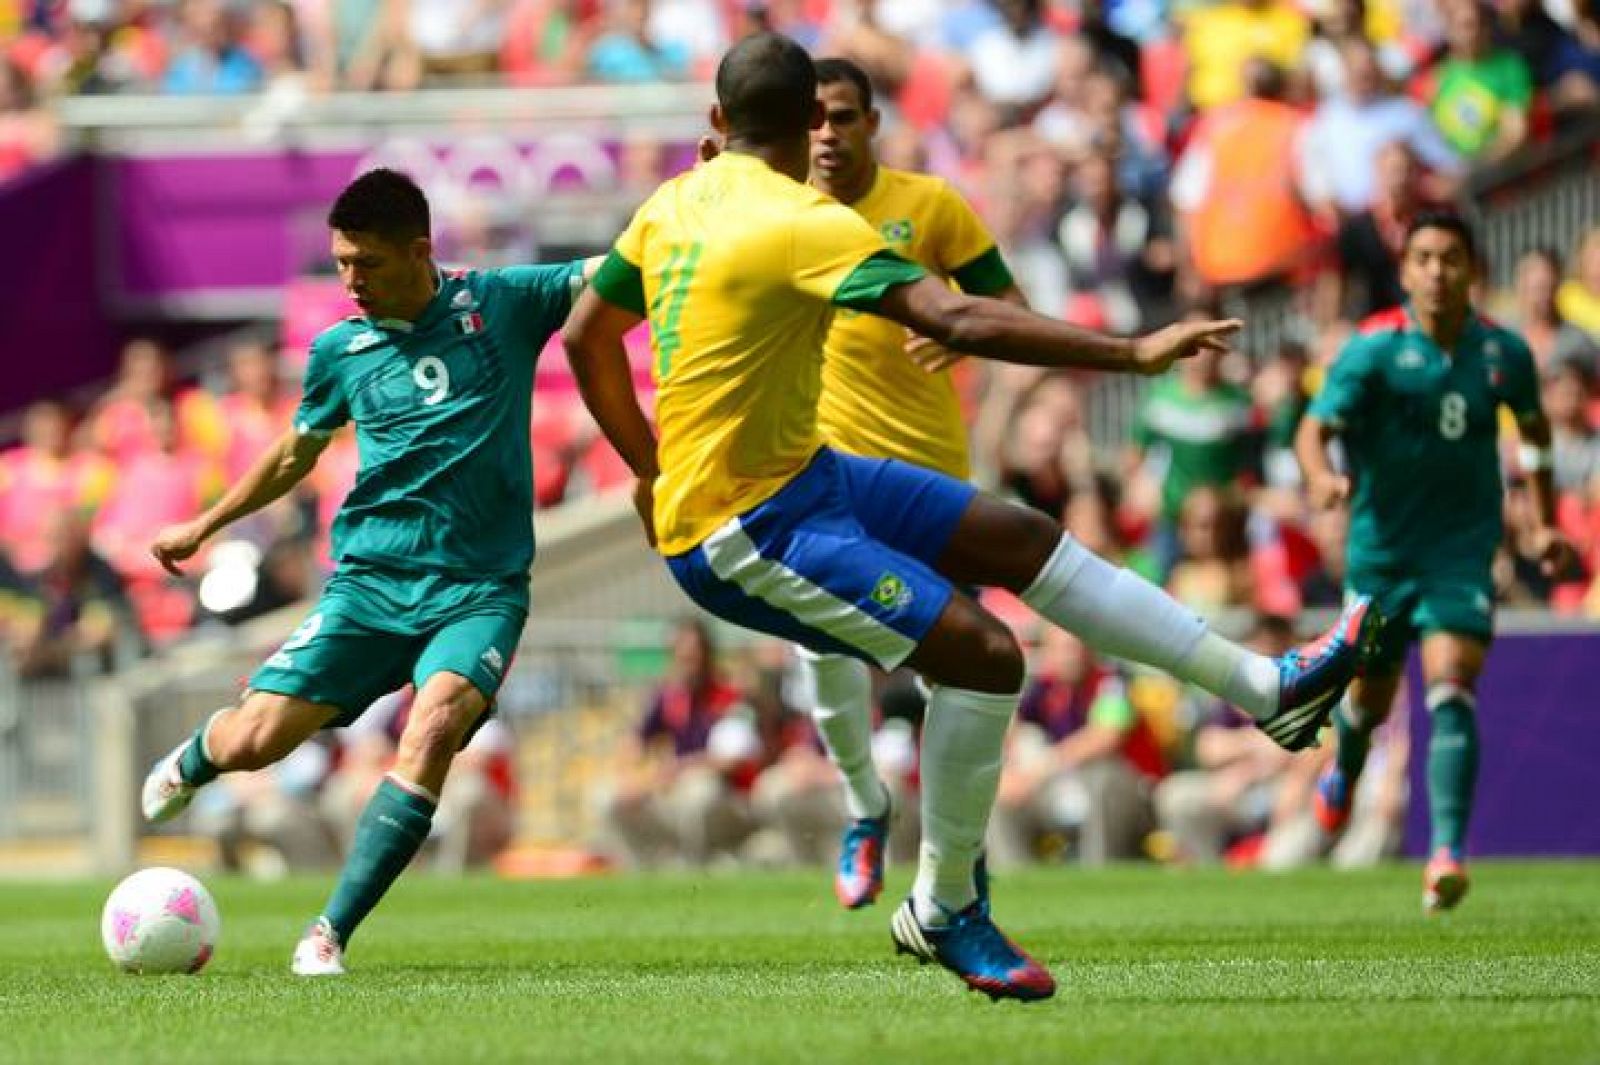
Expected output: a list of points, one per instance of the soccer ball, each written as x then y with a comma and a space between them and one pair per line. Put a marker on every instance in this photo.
160, 921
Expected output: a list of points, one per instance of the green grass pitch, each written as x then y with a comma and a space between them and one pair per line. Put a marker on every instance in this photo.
1154, 965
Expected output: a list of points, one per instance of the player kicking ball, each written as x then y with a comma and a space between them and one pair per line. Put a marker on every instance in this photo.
433, 543
1415, 400
739, 267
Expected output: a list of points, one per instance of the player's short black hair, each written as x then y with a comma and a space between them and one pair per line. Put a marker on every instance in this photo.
834, 70
767, 89
1450, 222
385, 202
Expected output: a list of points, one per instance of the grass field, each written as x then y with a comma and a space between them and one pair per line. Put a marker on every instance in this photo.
1154, 965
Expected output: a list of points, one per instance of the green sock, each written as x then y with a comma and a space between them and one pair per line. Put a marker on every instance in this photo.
392, 829
193, 765
1354, 743
1452, 764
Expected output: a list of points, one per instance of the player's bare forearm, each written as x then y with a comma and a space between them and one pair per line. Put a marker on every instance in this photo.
1005, 331
1537, 441
275, 474
599, 361
1311, 447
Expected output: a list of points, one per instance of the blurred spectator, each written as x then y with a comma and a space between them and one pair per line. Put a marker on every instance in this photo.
1222, 40
1575, 64
1192, 432
1368, 278
1014, 64
154, 488
1526, 28
695, 27
1048, 448
1229, 791
1578, 299
1533, 313
1348, 131
255, 410
267, 823
672, 800
210, 61
546, 41
1341, 23
1119, 54
1079, 763
450, 39
358, 45
1212, 571
1129, 132
43, 478
122, 424
1119, 253
28, 132
628, 52
75, 609
1481, 92
1238, 187
1568, 392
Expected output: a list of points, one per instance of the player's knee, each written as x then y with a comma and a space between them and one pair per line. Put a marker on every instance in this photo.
435, 729
998, 664
1032, 538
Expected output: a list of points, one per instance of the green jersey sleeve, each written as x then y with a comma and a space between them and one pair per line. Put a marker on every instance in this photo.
541, 295
1518, 385
620, 283
1347, 388
865, 286
323, 405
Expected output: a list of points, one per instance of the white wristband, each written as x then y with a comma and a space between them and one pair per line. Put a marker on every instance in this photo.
1535, 459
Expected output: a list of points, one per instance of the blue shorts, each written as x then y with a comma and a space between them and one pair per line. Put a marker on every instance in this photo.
839, 561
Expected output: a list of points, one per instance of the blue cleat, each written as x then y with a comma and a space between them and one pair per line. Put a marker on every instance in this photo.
975, 950
859, 878
1311, 679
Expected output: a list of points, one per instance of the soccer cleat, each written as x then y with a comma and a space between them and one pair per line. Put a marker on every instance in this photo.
859, 878
1311, 679
318, 953
166, 794
1444, 882
1331, 802
975, 950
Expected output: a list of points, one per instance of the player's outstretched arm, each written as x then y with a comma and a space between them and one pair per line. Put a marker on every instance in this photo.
1326, 487
593, 338
1557, 557
281, 467
1009, 333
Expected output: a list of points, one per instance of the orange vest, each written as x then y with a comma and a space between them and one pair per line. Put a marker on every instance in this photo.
1251, 223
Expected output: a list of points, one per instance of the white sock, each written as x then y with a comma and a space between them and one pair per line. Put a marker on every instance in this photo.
840, 691
963, 738
1121, 614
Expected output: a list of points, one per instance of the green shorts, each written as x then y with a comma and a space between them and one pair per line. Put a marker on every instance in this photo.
375, 630
1419, 604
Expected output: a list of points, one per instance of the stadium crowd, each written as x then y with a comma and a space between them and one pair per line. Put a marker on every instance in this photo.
1137, 161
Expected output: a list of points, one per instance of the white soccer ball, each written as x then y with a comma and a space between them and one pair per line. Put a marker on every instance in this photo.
160, 921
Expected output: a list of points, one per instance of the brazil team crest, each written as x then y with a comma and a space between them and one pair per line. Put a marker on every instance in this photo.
891, 592
897, 232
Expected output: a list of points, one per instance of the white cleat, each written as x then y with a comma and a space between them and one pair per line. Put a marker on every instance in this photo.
318, 953
166, 794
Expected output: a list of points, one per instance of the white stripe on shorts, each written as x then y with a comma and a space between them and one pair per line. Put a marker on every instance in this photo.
734, 558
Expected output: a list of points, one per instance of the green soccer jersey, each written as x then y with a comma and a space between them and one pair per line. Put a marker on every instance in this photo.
1193, 440
441, 410
1420, 430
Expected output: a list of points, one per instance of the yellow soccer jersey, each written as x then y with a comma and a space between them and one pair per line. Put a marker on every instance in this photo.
875, 400
738, 269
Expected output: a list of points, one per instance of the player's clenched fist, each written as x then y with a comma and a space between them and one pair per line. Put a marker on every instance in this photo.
1328, 491
178, 543
1153, 354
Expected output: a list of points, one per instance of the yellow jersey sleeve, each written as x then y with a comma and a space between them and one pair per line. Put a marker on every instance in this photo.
829, 245
964, 249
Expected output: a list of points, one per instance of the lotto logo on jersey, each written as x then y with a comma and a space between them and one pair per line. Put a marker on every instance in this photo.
467, 324
891, 592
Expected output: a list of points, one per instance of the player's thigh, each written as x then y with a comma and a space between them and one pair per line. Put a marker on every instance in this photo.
335, 659
969, 536
1456, 617
462, 665
1398, 599
265, 727
816, 579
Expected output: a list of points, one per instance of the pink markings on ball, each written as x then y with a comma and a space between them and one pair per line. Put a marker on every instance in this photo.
184, 904
123, 923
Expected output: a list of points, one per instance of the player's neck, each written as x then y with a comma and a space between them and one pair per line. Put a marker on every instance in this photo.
1445, 328
421, 295
853, 189
790, 160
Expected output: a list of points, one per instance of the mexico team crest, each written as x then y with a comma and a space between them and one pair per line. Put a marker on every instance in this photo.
470, 323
